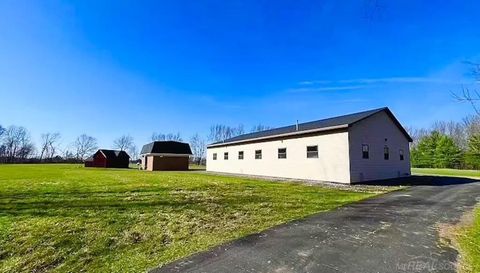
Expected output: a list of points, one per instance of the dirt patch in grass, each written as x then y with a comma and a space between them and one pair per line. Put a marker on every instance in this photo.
464, 236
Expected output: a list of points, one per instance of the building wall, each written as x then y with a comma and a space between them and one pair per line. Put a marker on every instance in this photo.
99, 160
143, 162
149, 162
378, 131
89, 164
332, 163
167, 163
123, 162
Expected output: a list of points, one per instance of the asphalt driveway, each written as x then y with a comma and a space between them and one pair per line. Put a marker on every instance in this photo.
396, 232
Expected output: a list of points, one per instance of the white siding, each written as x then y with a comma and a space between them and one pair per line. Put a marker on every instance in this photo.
373, 131
332, 163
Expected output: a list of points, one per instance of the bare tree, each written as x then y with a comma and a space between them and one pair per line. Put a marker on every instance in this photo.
458, 132
2, 146
26, 149
259, 128
467, 95
68, 155
158, 137
239, 130
471, 97
472, 125
440, 126
10, 142
49, 145
123, 143
17, 143
84, 145
198, 148
220, 132
175, 137
133, 152
162, 137
417, 134
453, 129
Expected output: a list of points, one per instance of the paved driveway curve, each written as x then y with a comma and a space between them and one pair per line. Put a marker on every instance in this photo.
396, 232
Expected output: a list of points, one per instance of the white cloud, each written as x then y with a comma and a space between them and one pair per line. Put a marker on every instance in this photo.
326, 88
399, 80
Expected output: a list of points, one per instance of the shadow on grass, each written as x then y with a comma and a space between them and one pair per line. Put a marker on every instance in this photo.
165, 199
71, 204
421, 180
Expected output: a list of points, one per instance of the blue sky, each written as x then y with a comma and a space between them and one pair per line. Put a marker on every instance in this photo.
108, 68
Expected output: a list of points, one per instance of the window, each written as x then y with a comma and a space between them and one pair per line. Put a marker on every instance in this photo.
365, 151
214, 156
225, 156
258, 154
402, 157
240, 155
312, 151
282, 153
386, 153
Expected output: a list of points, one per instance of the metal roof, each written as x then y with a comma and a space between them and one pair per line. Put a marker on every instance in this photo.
326, 124
113, 153
166, 147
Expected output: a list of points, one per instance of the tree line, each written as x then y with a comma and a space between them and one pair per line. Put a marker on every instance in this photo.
17, 146
443, 145
447, 144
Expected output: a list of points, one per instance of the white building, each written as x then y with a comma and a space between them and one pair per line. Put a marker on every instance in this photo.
359, 147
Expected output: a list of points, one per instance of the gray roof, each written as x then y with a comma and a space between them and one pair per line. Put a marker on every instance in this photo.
113, 153
345, 120
166, 147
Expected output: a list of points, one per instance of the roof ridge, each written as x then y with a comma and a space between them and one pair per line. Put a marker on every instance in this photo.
373, 111
167, 141
168, 146
265, 133
313, 121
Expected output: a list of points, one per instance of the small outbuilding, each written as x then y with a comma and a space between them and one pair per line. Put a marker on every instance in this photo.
108, 159
165, 156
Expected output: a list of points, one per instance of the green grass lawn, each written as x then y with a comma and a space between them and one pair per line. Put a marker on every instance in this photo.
197, 167
469, 242
447, 172
66, 218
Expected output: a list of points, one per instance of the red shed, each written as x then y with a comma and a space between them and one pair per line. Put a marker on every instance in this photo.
108, 159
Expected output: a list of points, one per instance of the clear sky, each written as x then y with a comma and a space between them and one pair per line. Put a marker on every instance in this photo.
108, 68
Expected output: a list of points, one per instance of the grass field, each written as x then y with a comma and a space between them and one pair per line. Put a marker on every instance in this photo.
447, 172
468, 239
65, 218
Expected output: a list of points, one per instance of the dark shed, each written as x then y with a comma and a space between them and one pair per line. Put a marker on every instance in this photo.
108, 159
